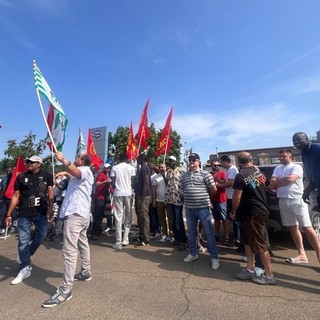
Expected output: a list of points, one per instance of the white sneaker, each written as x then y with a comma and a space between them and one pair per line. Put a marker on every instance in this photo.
23, 274
125, 243
117, 246
202, 249
190, 258
215, 264
164, 238
259, 271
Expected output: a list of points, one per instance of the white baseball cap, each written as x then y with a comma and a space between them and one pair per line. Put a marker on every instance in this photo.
173, 158
34, 159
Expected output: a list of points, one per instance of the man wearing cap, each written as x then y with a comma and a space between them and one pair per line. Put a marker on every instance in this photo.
101, 197
33, 193
122, 175
75, 210
197, 186
175, 203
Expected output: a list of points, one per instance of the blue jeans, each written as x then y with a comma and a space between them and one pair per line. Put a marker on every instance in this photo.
178, 228
237, 223
204, 215
26, 246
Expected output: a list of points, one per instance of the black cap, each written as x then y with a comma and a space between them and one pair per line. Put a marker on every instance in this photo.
194, 156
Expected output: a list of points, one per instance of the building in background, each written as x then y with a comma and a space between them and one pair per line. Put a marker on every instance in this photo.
100, 139
262, 156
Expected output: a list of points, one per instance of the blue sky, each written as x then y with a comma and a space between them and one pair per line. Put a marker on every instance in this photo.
240, 74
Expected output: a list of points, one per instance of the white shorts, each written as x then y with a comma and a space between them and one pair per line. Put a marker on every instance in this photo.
294, 212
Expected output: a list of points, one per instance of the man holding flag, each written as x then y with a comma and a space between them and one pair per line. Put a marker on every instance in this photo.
75, 210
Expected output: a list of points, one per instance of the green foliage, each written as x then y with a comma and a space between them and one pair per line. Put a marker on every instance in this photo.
25, 148
120, 140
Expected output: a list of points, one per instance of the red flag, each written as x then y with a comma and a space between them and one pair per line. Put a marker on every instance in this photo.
143, 131
165, 142
91, 150
20, 167
50, 118
132, 149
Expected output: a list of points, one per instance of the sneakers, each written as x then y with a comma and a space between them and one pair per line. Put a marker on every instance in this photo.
245, 274
259, 271
83, 276
215, 264
23, 274
57, 298
263, 279
142, 243
117, 246
125, 243
190, 258
164, 238
202, 249
4, 236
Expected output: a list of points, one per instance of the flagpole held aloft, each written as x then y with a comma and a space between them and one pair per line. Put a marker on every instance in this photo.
58, 121
45, 121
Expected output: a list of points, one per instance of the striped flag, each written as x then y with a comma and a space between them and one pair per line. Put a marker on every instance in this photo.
81, 145
56, 119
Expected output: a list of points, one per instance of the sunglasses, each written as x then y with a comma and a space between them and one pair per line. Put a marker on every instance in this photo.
31, 162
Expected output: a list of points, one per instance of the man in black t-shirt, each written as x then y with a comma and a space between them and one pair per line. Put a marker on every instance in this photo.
33, 193
250, 196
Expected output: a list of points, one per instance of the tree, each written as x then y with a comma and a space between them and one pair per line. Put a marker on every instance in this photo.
26, 148
120, 140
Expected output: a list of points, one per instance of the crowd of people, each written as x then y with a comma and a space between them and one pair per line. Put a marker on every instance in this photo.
76, 200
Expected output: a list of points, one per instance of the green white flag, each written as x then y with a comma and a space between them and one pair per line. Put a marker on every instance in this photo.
56, 119
81, 146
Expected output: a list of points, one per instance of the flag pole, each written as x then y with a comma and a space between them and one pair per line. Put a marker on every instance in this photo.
45, 121
52, 159
165, 152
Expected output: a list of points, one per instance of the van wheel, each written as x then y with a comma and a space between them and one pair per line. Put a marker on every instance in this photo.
315, 221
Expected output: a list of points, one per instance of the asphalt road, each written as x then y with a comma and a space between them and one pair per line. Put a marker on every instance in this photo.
153, 282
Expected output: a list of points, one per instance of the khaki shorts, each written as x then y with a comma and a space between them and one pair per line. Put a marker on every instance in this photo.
294, 212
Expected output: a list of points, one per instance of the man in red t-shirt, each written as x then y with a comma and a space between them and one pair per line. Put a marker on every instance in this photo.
101, 198
219, 203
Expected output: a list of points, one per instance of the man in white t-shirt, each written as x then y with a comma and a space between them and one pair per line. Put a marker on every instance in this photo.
232, 171
75, 211
121, 175
287, 179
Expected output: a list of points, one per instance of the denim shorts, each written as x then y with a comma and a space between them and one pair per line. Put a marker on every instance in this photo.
219, 211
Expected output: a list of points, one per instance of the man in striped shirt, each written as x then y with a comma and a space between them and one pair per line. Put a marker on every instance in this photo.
197, 186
